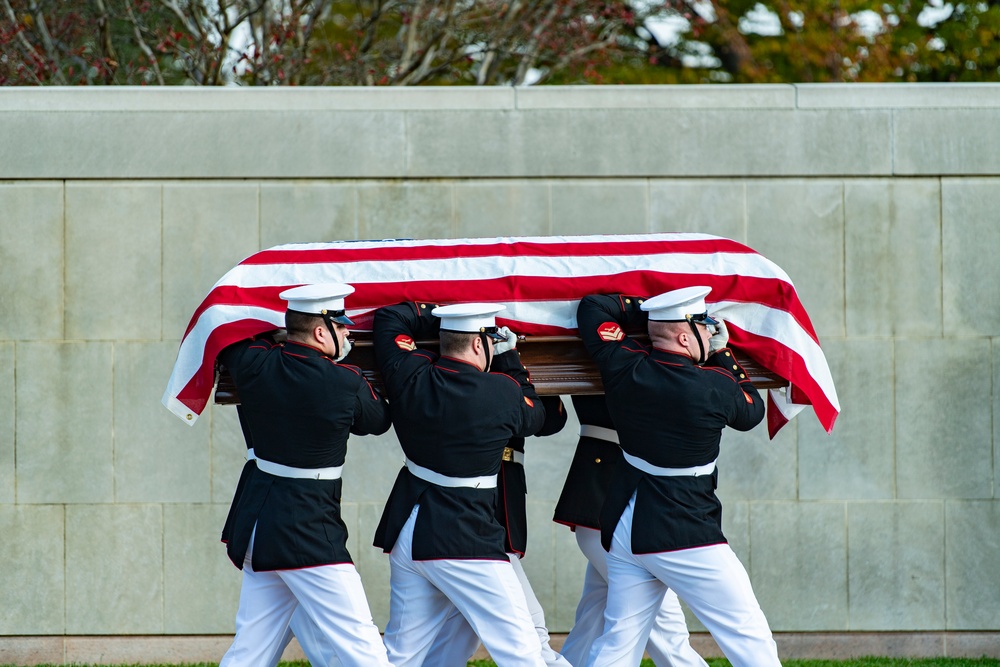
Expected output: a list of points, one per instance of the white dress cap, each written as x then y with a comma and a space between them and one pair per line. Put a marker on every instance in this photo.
677, 305
319, 299
469, 317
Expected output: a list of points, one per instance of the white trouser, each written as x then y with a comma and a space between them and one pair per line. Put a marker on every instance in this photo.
425, 593
668, 643
711, 580
330, 595
319, 649
457, 641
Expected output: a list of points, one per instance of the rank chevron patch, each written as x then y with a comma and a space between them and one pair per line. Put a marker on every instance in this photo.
610, 331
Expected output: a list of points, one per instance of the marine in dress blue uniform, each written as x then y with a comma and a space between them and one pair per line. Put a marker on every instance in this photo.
661, 521
456, 642
453, 420
318, 647
579, 507
284, 531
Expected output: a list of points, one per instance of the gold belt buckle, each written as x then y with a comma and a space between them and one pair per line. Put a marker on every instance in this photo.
508, 454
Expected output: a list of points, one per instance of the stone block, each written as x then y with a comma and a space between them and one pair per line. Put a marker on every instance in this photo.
411, 210
33, 597
158, 458
113, 261
936, 142
372, 564
800, 226
307, 212
799, 564
373, 461
571, 567
599, 207
697, 96
143, 144
501, 208
32, 250
7, 433
31, 650
114, 569
349, 513
228, 450
904, 591
207, 229
996, 420
752, 467
547, 459
221, 99
893, 257
64, 423
972, 644
466, 144
896, 96
856, 460
705, 206
972, 530
201, 587
943, 419
164, 649
715, 142
541, 558
970, 227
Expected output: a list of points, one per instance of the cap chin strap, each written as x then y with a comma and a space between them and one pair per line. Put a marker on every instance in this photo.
486, 351
701, 346
336, 339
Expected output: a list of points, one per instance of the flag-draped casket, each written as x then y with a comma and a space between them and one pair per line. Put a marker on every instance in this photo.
540, 280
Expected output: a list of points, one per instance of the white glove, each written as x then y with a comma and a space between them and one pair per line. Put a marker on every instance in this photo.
507, 345
720, 339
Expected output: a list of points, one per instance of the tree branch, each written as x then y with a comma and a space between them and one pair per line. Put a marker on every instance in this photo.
143, 46
50, 49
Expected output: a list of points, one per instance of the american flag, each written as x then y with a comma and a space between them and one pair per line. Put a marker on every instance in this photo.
540, 280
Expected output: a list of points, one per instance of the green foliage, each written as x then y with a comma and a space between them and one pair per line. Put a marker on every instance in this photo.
412, 42
847, 41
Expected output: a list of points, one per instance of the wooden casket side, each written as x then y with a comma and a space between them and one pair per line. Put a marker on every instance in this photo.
559, 365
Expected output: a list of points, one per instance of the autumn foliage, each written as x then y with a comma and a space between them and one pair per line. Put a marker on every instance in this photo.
412, 42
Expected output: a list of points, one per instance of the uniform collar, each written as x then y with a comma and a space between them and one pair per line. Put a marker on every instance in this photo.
671, 357
453, 364
304, 349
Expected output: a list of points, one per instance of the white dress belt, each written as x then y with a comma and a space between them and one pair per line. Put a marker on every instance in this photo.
428, 475
279, 470
599, 433
694, 471
250, 455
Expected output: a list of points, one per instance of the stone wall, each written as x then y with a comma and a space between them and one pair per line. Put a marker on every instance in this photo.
119, 208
